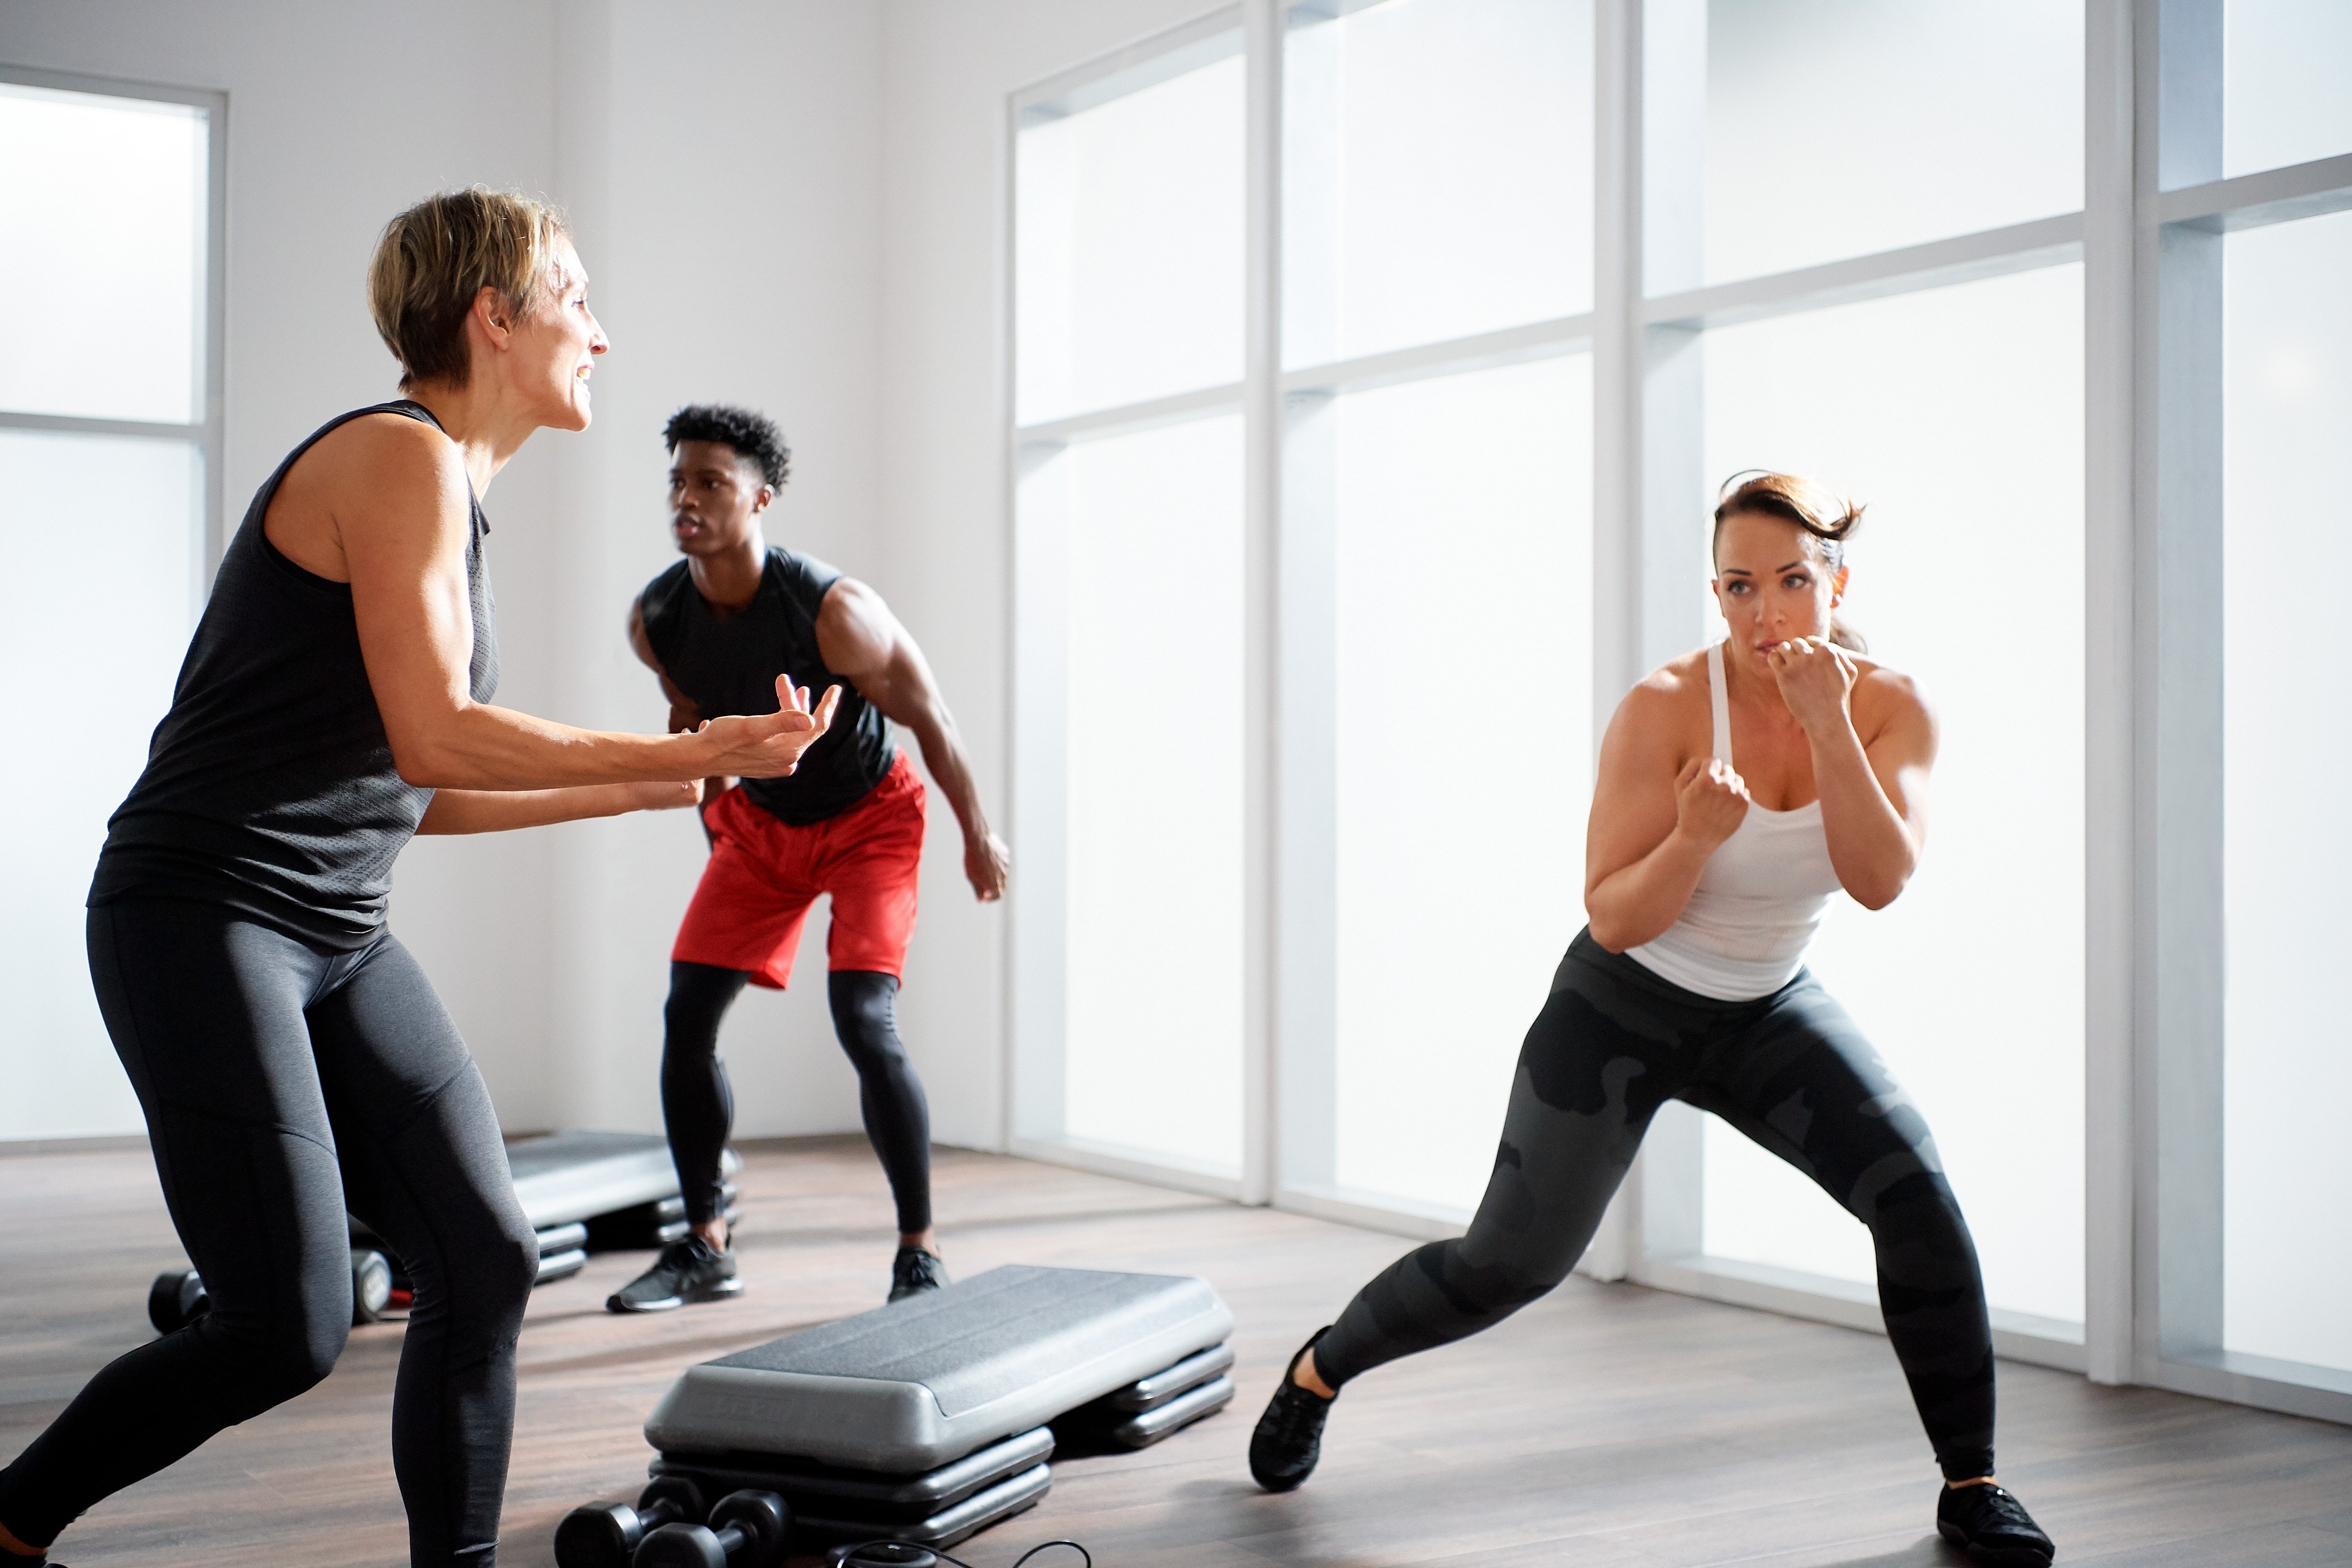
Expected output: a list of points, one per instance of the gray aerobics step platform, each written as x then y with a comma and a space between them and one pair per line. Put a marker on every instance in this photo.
619, 1181
909, 1387
568, 1176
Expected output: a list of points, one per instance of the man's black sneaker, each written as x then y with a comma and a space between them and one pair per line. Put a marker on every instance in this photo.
1289, 1436
914, 1271
690, 1269
1989, 1523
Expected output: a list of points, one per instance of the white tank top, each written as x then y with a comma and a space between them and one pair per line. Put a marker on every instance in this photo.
1760, 898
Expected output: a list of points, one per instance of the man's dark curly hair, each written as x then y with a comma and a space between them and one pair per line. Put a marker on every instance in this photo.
754, 437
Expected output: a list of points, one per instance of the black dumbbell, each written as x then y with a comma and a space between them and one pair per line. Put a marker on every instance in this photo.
177, 1299
370, 1284
746, 1531
605, 1534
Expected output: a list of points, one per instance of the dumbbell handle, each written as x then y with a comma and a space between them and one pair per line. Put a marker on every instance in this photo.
614, 1529
675, 1540
747, 1530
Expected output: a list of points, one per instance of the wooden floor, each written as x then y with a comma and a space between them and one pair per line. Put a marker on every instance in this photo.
1605, 1425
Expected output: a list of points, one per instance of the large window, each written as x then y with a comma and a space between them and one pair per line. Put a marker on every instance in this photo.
2283, 97
1377, 363
108, 283
1461, 584
1971, 984
2240, 917
1898, 315
1129, 226
1153, 547
1840, 128
1438, 163
2287, 1265
1129, 572
1436, 453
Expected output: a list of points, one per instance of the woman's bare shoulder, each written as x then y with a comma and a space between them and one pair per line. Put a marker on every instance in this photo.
377, 449
1883, 695
378, 466
1680, 682
1670, 696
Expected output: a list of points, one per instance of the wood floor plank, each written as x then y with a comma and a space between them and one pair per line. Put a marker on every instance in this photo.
1609, 1425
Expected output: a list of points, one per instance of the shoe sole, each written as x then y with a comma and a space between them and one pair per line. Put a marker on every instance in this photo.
1290, 1484
1997, 1556
671, 1303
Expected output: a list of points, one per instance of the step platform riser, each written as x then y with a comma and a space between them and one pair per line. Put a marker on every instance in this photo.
862, 1495
1082, 1431
943, 1529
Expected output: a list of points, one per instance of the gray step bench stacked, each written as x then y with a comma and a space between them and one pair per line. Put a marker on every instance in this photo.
932, 1418
582, 1192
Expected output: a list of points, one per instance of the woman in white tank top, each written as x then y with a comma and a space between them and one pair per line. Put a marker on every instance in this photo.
1714, 872
1741, 786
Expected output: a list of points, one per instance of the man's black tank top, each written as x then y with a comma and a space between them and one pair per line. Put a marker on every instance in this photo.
270, 785
730, 664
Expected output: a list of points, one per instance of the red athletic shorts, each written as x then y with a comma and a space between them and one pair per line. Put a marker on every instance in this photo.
763, 875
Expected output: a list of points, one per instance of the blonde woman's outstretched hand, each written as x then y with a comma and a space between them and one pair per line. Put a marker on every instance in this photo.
769, 745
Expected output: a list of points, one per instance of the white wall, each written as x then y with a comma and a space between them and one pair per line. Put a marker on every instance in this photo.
727, 178
797, 205
721, 170
321, 151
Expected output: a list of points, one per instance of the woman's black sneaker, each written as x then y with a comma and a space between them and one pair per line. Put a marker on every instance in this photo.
1989, 1523
690, 1269
914, 1271
1289, 1436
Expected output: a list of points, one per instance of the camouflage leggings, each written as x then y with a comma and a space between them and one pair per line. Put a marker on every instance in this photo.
1613, 1044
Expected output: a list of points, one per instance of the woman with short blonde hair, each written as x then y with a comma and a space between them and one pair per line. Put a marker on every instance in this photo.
293, 1062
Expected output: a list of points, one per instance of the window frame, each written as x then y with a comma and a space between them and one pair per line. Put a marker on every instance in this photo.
208, 431
2171, 1158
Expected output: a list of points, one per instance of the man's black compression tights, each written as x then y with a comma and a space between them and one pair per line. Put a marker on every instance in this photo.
1613, 1044
281, 1085
698, 1108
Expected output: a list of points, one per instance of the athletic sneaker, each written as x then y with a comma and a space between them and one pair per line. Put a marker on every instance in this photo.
914, 1271
1992, 1526
690, 1269
1289, 1436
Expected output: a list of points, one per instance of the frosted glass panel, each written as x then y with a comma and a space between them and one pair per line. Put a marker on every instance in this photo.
1957, 414
1154, 947
103, 209
2287, 1073
90, 672
1464, 591
1837, 127
2284, 66
1129, 259
1440, 172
